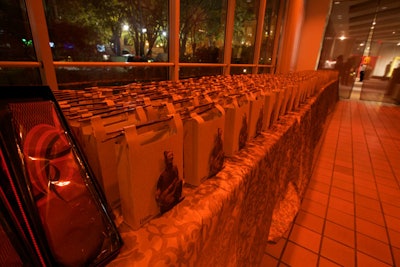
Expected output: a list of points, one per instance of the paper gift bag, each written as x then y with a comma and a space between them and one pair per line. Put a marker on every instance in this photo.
203, 144
147, 188
100, 150
296, 93
285, 99
269, 103
277, 105
256, 113
236, 124
292, 94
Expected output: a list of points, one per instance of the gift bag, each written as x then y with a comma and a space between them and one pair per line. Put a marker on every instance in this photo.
99, 149
149, 160
269, 103
203, 144
277, 105
236, 124
256, 113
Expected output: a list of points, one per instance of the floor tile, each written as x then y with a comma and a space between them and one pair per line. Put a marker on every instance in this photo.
313, 207
324, 262
342, 194
367, 202
361, 181
305, 238
388, 190
343, 169
276, 249
344, 163
268, 260
394, 237
297, 256
364, 173
341, 218
370, 215
367, 192
365, 260
344, 185
391, 210
319, 186
352, 205
310, 221
374, 248
316, 196
342, 205
386, 181
337, 252
392, 223
393, 200
396, 256
386, 173
372, 230
339, 233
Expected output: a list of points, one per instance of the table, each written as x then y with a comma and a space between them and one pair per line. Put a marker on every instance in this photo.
228, 219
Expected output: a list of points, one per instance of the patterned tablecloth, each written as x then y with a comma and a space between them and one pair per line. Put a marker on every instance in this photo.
226, 221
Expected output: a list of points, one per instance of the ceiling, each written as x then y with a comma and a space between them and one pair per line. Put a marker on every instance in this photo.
354, 19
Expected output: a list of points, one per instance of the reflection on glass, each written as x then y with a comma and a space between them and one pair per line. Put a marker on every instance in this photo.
202, 30
114, 30
16, 42
191, 72
78, 78
20, 76
344, 43
262, 70
379, 64
269, 32
241, 70
244, 31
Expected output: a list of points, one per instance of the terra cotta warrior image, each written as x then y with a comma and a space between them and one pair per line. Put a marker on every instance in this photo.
169, 185
217, 156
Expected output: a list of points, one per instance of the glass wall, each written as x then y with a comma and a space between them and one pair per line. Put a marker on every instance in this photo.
16, 45
244, 31
362, 43
202, 36
270, 28
122, 41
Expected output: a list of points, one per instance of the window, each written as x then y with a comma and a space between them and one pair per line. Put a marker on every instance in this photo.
116, 42
16, 44
244, 31
269, 32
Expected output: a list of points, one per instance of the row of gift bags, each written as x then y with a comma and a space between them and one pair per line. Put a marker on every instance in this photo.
54, 213
144, 140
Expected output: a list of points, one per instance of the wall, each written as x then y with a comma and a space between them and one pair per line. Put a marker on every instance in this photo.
291, 33
303, 35
312, 34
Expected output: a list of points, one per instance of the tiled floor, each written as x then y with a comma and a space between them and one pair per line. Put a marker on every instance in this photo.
350, 215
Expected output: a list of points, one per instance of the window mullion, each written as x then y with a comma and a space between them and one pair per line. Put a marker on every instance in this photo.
173, 43
230, 17
259, 34
41, 42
